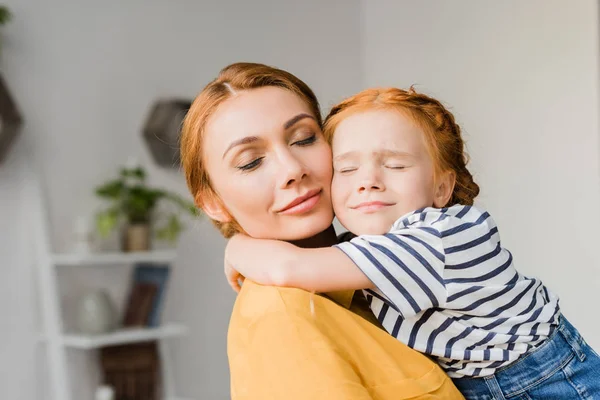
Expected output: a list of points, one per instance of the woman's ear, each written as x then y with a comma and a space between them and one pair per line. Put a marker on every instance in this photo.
212, 206
444, 187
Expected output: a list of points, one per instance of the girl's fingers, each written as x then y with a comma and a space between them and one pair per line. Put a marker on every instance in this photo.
233, 277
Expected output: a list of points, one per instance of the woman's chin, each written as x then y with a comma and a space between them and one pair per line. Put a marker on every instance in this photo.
306, 232
294, 228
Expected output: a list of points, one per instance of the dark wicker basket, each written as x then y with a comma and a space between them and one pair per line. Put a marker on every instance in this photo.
133, 371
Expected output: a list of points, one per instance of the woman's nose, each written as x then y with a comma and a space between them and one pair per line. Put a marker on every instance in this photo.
292, 170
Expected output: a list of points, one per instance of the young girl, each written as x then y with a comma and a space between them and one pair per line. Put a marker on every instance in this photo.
431, 264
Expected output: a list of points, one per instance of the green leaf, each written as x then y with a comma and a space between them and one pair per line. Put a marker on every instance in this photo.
137, 172
185, 205
5, 15
111, 190
171, 230
106, 221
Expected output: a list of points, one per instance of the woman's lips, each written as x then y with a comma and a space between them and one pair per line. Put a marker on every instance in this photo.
302, 204
369, 207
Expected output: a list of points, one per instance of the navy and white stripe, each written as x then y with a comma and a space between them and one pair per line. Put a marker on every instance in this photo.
447, 288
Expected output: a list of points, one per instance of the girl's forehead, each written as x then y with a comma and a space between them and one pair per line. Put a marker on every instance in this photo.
378, 131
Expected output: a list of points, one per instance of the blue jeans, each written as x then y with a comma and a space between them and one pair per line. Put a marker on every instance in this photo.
563, 367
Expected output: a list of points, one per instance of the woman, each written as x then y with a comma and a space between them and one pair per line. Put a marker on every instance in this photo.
256, 162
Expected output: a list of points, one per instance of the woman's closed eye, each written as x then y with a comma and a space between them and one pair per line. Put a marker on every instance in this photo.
255, 163
306, 142
251, 165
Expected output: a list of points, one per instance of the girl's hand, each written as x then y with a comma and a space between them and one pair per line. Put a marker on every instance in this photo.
233, 259
261, 260
233, 276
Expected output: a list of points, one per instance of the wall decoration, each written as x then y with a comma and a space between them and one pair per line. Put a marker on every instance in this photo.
162, 130
10, 120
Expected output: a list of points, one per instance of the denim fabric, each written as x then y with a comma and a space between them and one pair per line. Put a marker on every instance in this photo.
563, 367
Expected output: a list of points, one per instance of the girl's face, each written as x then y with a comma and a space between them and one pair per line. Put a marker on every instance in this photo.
269, 165
382, 171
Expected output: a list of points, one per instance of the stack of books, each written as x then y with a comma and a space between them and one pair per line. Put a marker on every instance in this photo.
146, 295
133, 370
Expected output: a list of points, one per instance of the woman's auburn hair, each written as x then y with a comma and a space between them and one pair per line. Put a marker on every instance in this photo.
443, 135
231, 79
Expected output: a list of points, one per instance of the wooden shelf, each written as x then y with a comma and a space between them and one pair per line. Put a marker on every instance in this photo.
123, 336
116, 258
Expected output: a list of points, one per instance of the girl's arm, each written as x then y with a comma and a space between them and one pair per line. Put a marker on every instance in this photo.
277, 263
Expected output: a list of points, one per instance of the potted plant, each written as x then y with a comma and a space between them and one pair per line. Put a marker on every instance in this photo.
133, 206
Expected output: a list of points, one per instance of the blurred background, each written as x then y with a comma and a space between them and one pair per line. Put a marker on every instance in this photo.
521, 76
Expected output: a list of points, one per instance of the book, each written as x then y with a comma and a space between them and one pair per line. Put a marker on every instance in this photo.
157, 275
139, 306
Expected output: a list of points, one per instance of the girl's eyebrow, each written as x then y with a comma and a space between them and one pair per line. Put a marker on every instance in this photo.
344, 156
379, 154
392, 153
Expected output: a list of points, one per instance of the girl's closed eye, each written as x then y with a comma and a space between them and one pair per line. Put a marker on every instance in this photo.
395, 166
346, 169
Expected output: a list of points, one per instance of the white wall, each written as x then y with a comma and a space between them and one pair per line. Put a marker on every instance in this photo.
521, 76
85, 75
17, 336
522, 79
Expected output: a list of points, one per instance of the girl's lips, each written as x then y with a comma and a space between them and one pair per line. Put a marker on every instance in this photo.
302, 204
372, 206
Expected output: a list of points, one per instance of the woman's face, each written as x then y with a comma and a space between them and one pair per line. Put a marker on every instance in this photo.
269, 165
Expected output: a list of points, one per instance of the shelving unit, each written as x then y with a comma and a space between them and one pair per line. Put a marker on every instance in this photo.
120, 336
57, 341
112, 259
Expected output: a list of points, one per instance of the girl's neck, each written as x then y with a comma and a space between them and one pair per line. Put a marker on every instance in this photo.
324, 239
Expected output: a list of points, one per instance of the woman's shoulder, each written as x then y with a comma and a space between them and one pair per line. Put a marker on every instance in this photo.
255, 302
261, 312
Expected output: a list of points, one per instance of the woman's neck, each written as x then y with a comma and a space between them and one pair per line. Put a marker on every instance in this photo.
324, 239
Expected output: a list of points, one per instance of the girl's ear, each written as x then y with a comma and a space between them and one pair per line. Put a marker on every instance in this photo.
444, 187
213, 207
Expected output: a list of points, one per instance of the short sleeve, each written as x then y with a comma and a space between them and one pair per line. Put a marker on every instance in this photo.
406, 264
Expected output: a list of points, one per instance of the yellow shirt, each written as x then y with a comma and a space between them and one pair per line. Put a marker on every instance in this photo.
280, 347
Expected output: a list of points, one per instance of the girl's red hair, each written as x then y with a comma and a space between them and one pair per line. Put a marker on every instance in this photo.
443, 135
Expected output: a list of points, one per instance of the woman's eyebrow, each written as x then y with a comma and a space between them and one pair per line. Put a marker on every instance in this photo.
251, 139
295, 119
245, 140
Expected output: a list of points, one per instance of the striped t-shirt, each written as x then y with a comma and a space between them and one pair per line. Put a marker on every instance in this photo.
447, 288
